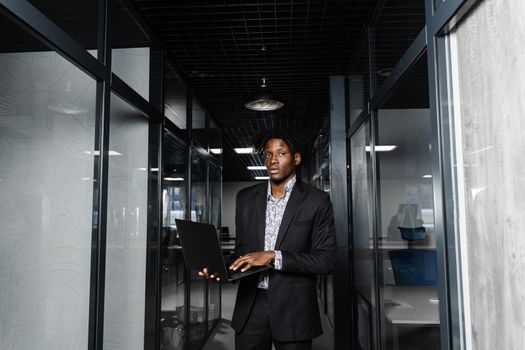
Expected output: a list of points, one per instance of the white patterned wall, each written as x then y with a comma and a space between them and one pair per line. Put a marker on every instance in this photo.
47, 127
489, 107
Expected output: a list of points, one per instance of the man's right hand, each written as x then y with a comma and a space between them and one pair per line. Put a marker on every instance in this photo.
204, 273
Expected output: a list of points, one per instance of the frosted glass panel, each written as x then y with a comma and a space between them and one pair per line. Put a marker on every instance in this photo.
126, 228
132, 66
130, 59
47, 133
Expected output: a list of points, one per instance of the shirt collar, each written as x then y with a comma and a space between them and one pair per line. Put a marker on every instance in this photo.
287, 188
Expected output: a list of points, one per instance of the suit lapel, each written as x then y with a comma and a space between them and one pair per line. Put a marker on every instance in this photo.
296, 197
260, 211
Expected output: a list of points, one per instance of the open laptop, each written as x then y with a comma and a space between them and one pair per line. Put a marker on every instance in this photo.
201, 248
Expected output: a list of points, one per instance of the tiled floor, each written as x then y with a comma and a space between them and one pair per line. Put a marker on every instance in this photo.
223, 336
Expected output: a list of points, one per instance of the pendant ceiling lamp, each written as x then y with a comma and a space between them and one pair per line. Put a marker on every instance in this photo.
264, 100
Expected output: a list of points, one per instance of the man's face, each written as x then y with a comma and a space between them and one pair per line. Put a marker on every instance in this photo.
279, 160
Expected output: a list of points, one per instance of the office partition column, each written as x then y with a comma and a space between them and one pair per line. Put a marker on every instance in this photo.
338, 192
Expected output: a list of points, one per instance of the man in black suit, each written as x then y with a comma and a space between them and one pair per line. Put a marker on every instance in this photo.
289, 224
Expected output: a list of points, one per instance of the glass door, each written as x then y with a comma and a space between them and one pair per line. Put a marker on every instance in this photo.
215, 194
406, 245
363, 237
173, 271
198, 212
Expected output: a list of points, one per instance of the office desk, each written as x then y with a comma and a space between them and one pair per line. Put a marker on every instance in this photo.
225, 247
410, 306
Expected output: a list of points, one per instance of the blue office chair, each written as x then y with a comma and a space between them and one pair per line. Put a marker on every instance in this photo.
414, 266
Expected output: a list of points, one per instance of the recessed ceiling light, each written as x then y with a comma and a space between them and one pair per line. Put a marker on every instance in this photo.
152, 169
384, 72
97, 153
382, 148
428, 176
256, 167
262, 177
174, 178
243, 150
216, 150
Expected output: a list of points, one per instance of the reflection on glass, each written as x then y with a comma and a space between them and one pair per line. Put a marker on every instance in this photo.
47, 134
198, 326
325, 186
409, 310
215, 194
363, 239
330, 306
397, 26
174, 98
126, 227
130, 57
215, 140
198, 124
214, 292
198, 188
174, 194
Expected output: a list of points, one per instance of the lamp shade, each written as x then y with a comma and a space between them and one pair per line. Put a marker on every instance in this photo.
264, 100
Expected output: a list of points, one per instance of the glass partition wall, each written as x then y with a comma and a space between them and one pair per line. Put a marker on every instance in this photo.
198, 290
126, 227
406, 244
82, 187
214, 197
399, 286
317, 173
190, 305
175, 186
47, 177
363, 238
394, 246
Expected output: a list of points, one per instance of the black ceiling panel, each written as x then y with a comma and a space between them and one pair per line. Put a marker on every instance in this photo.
225, 48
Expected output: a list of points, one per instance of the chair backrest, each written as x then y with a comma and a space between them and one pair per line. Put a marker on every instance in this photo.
414, 266
225, 232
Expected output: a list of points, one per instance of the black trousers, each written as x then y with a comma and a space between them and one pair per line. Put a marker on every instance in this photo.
257, 334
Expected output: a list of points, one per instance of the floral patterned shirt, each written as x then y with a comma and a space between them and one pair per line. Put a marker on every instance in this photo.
274, 215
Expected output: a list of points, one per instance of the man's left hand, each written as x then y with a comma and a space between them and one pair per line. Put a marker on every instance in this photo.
253, 259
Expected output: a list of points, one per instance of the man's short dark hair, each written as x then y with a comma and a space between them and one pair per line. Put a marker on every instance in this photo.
294, 141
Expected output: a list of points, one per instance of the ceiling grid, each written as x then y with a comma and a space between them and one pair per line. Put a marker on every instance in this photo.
219, 47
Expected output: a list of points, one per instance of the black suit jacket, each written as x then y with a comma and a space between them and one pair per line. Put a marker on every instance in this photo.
306, 239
